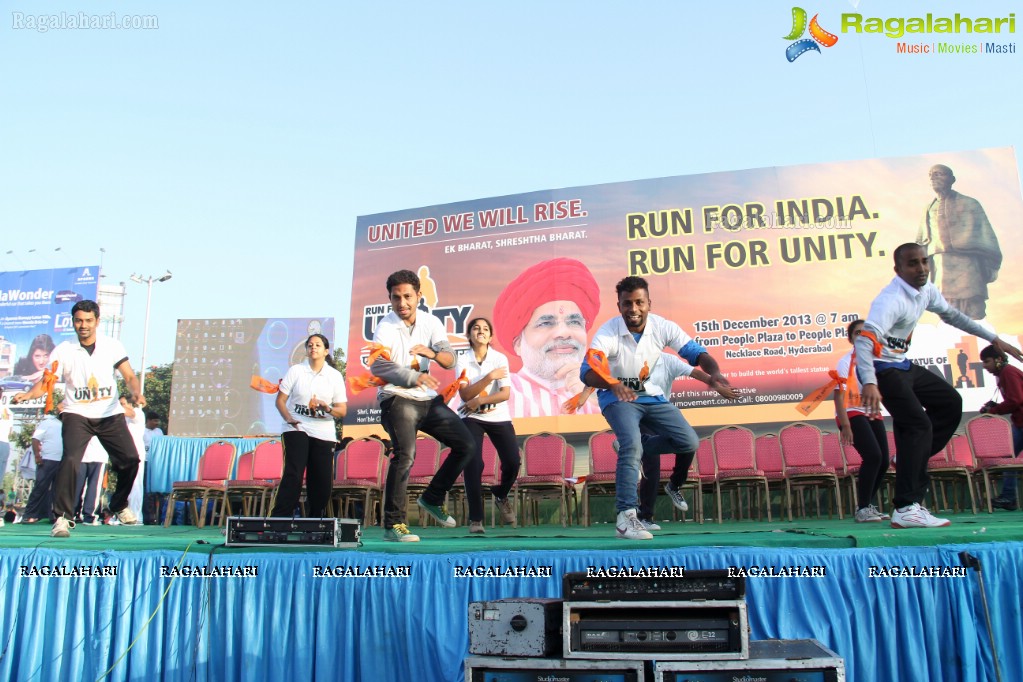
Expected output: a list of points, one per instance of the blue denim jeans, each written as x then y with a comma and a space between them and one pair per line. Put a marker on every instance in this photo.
1009, 479
672, 434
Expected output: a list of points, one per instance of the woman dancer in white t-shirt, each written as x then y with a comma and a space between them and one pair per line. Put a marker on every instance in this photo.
866, 435
312, 395
485, 410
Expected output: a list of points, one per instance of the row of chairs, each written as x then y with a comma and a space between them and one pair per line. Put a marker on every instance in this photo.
732, 460
801, 458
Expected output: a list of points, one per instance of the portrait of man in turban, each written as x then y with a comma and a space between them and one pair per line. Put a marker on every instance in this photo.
541, 320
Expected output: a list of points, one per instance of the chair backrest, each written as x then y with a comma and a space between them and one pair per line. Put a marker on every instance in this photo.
801, 445
490, 459
544, 454
990, 437
268, 460
427, 457
603, 458
768, 452
960, 450
668, 465
243, 472
834, 454
733, 448
891, 449
363, 459
216, 461
705, 458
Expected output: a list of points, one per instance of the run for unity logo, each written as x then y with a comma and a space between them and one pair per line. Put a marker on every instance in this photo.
818, 36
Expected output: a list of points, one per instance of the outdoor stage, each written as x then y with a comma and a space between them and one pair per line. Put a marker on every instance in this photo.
284, 623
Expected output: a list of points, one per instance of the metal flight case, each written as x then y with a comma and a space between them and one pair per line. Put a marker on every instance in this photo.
772, 660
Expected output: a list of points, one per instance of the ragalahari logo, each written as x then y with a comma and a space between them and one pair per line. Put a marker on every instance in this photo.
818, 36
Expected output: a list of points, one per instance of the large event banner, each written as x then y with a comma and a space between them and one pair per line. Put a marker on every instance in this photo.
765, 267
215, 363
35, 316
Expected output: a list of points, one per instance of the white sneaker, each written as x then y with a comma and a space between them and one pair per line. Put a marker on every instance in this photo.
127, 517
884, 517
62, 528
649, 525
629, 527
868, 515
676, 497
915, 516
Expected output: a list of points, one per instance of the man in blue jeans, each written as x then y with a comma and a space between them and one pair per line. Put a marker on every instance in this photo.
1010, 383
632, 345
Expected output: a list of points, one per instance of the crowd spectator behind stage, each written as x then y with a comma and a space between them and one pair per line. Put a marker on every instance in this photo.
48, 448
152, 429
1010, 383
135, 418
30, 367
541, 319
90, 483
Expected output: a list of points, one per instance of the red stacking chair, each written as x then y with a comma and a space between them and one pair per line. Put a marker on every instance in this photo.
359, 476
802, 451
767, 448
706, 471
991, 442
209, 485
547, 462
425, 465
737, 467
836, 456
257, 475
953, 464
603, 465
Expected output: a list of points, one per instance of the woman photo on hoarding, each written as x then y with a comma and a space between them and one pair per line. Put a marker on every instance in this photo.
30, 367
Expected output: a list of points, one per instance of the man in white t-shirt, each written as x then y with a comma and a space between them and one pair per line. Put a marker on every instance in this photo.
926, 409
86, 366
152, 429
409, 403
48, 447
632, 344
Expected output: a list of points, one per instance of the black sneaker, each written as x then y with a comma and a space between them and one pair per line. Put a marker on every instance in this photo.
1006, 504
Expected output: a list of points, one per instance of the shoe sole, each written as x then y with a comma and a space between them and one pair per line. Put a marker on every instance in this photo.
625, 537
920, 525
400, 540
448, 522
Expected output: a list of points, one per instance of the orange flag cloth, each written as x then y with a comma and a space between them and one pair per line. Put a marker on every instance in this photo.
49, 381
263, 386
848, 385
360, 383
453, 387
571, 405
597, 361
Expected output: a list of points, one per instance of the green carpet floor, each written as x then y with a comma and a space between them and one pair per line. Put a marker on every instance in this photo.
808, 533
